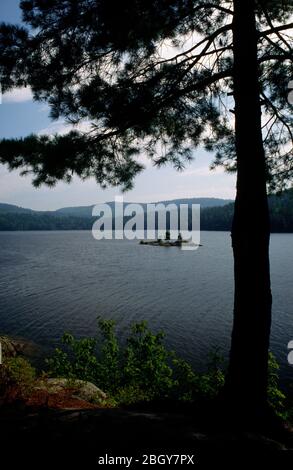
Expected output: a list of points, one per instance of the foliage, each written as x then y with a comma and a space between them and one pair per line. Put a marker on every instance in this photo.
146, 361
108, 369
276, 397
212, 218
190, 385
129, 394
141, 77
83, 363
142, 370
39, 221
16, 374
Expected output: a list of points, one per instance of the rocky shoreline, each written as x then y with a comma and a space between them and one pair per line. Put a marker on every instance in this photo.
69, 421
42, 391
12, 347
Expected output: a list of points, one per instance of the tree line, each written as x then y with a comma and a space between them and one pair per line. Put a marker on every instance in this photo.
217, 218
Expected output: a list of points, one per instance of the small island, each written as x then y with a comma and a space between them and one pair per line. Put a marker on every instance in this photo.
167, 242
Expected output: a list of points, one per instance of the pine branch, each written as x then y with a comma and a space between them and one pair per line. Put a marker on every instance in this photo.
270, 23
172, 96
275, 30
195, 58
279, 57
278, 115
216, 7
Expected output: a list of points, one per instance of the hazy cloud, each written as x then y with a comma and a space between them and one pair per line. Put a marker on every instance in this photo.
18, 95
62, 128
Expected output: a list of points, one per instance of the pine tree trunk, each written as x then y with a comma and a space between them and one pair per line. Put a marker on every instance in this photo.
248, 368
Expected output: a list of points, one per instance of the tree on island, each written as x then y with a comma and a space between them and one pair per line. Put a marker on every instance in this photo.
162, 78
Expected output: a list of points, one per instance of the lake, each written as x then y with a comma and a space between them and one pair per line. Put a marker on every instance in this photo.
51, 282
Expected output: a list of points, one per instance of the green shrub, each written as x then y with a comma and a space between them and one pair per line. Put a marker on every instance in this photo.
78, 362
109, 370
16, 374
276, 397
78, 359
191, 386
130, 394
144, 369
146, 362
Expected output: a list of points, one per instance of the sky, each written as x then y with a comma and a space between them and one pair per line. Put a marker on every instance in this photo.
21, 116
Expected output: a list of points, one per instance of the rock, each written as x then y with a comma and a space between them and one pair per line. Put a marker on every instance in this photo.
79, 389
89, 392
12, 347
8, 347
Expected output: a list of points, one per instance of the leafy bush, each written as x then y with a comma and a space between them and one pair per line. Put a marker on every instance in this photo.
191, 386
128, 394
81, 363
17, 377
142, 370
146, 363
79, 359
276, 397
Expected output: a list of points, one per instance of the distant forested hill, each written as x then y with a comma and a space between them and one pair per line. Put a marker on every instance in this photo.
23, 221
10, 208
281, 210
217, 217
86, 211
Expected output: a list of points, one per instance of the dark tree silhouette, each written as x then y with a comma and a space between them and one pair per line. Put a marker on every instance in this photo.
163, 77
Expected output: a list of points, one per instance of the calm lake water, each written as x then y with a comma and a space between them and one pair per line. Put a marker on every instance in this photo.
51, 282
